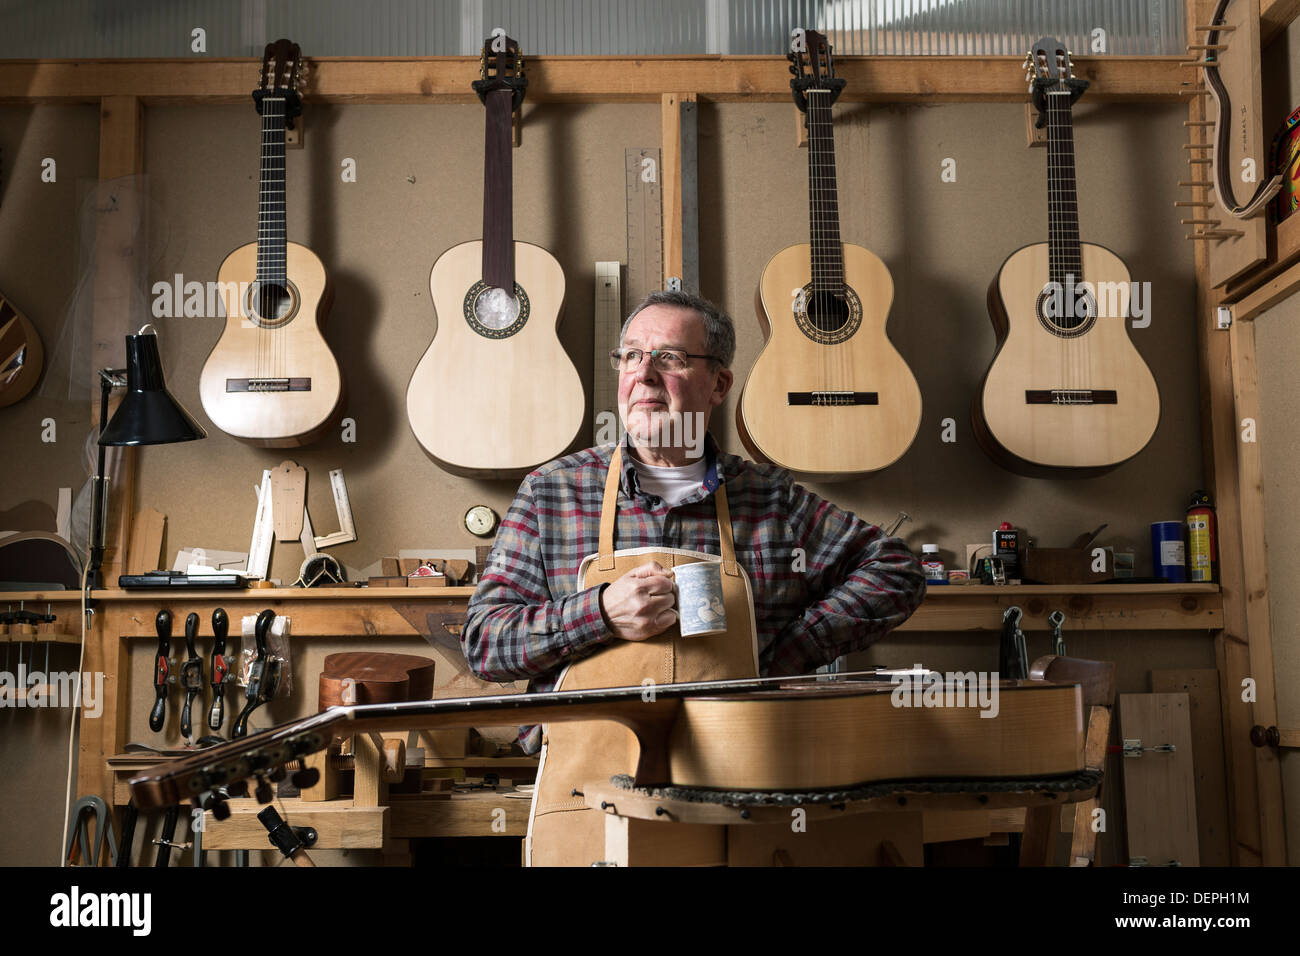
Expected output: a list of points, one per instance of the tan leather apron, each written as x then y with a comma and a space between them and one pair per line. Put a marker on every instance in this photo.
562, 830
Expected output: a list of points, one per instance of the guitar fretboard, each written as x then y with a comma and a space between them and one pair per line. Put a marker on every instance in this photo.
1064, 258
270, 201
823, 198
498, 193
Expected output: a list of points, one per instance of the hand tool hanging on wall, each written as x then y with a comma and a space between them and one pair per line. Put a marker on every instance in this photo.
161, 669
164, 840
1013, 661
191, 675
1057, 619
264, 678
220, 669
79, 842
129, 818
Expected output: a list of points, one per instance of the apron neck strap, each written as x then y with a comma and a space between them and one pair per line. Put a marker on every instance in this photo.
609, 510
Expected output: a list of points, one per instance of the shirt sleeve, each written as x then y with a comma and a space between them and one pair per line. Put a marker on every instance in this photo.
864, 584
515, 627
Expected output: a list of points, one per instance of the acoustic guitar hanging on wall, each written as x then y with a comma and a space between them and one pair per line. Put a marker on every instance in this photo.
829, 395
498, 304
271, 380
1067, 394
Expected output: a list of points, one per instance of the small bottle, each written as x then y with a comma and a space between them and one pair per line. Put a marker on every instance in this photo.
933, 565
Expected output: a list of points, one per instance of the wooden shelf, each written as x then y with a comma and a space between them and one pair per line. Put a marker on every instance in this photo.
1045, 589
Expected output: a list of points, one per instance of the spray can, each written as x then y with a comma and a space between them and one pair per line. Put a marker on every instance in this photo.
1202, 539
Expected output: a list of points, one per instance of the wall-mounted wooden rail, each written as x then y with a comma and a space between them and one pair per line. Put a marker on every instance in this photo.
577, 79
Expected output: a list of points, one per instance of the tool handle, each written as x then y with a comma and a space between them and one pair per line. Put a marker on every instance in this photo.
220, 669
191, 632
261, 630
187, 729
162, 669
241, 722
220, 628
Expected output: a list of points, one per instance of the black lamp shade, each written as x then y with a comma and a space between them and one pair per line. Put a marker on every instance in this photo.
148, 414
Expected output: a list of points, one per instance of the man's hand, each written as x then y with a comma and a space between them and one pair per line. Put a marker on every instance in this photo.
639, 605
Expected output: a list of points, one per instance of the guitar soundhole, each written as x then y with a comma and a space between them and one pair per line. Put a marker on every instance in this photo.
1066, 312
493, 313
271, 305
827, 317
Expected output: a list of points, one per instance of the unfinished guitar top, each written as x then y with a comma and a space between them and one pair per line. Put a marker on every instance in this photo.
366, 677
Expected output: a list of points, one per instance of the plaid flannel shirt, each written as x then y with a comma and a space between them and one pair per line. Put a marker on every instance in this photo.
850, 586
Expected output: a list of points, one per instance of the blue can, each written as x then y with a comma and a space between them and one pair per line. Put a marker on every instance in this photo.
1168, 551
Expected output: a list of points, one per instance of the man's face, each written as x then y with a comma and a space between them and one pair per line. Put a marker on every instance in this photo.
647, 394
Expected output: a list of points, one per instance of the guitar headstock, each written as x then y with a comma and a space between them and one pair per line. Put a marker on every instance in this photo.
813, 67
281, 77
1048, 68
501, 67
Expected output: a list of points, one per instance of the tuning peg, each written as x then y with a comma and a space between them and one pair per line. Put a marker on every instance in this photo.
278, 774
263, 791
217, 804
306, 778
238, 789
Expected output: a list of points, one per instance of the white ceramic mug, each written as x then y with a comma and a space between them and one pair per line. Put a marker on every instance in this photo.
700, 607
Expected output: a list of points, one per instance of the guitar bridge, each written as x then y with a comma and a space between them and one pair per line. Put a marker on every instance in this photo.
1071, 396
268, 385
832, 398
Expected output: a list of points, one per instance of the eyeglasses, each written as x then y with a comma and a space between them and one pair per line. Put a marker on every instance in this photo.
665, 360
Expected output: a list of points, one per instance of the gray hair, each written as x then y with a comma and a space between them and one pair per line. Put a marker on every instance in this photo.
719, 329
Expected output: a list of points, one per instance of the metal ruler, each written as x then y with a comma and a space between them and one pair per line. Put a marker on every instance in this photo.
609, 322
645, 225
343, 506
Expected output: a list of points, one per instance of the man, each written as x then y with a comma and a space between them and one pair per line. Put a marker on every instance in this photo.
823, 582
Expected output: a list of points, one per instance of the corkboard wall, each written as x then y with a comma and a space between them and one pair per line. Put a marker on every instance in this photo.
418, 192
378, 238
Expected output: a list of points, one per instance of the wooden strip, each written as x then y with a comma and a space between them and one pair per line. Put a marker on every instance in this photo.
670, 170
1202, 690
577, 79
1280, 287
1258, 631
121, 153
1219, 439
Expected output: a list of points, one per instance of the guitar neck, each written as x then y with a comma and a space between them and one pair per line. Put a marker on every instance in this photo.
1065, 263
498, 193
823, 197
271, 266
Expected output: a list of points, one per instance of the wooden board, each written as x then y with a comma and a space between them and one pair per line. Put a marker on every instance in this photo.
146, 541
1159, 788
1202, 690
